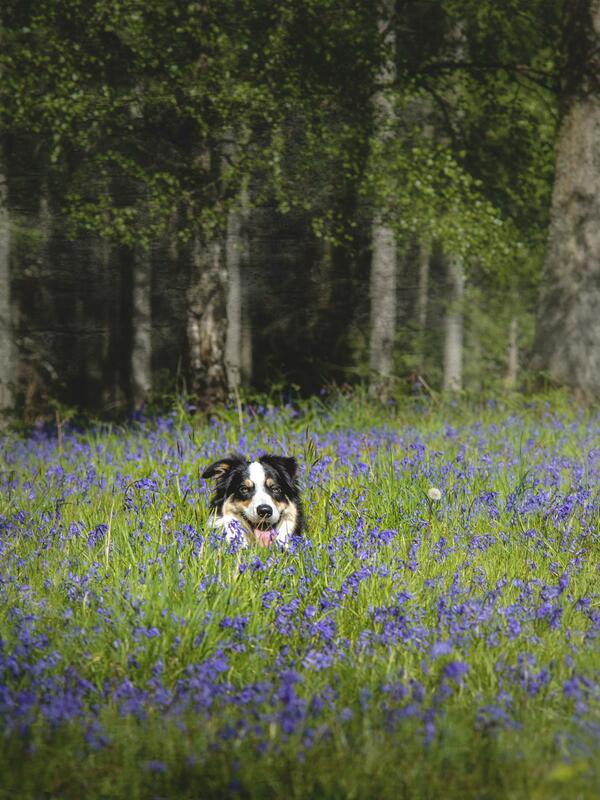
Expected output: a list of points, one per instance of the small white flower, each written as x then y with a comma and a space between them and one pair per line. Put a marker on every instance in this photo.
434, 493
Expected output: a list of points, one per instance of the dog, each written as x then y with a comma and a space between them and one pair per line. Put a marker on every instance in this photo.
256, 502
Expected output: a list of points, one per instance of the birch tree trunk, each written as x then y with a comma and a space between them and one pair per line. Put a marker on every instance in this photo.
141, 335
383, 280
101, 255
476, 380
235, 247
207, 323
455, 281
233, 340
422, 300
453, 326
512, 361
246, 355
567, 337
6, 333
383, 308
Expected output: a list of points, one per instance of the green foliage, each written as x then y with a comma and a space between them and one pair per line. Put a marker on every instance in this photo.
146, 119
138, 103
143, 106
426, 193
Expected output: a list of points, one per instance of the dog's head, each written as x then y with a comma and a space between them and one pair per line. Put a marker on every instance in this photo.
258, 493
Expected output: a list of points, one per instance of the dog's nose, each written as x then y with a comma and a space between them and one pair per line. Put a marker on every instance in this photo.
264, 511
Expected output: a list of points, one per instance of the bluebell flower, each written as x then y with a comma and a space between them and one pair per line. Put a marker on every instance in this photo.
455, 671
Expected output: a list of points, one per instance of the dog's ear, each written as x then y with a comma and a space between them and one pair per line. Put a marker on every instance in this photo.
289, 466
222, 466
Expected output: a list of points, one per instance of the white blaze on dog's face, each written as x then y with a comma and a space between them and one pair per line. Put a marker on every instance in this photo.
256, 497
262, 509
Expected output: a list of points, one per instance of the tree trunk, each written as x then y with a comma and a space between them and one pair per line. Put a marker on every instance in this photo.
233, 339
207, 323
475, 380
453, 326
246, 356
567, 337
110, 393
422, 300
6, 332
512, 361
455, 281
141, 334
383, 278
383, 308
235, 248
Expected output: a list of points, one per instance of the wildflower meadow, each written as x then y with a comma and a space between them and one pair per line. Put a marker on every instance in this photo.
435, 633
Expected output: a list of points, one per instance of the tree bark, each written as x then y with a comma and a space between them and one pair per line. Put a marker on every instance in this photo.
101, 254
474, 375
422, 300
453, 326
567, 337
235, 247
455, 281
6, 332
383, 279
233, 340
512, 361
207, 323
383, 308
246, 355
141, 338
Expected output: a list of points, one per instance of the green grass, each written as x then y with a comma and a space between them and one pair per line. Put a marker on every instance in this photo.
501, 575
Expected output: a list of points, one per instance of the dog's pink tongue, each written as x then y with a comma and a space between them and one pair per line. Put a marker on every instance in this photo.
265, 538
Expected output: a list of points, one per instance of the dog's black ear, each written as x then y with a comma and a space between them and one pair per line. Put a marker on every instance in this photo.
288, 465
222, 466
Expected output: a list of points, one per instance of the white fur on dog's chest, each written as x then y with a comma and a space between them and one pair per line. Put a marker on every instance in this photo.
256, 473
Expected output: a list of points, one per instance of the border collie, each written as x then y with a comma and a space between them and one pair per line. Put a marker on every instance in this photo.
256, 501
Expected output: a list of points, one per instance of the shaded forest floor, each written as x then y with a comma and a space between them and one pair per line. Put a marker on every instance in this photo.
408, 646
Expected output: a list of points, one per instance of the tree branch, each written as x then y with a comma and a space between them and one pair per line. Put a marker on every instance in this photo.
544, 78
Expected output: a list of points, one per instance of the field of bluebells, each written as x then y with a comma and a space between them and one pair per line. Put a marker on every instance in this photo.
435, 634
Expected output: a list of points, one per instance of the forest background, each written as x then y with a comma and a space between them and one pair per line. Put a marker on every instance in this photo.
221, 197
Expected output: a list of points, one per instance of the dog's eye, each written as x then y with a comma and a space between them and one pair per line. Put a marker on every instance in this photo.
276, 492
244, 491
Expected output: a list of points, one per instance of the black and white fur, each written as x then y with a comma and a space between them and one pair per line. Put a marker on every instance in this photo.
259, 496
